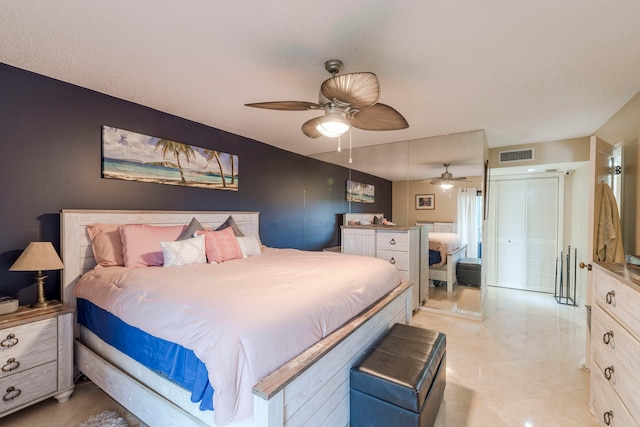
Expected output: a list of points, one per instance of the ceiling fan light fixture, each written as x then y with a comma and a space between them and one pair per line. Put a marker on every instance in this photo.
446, 185
333, 125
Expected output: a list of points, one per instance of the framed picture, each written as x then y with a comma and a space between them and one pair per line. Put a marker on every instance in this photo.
359, 192
133, 156
425, 201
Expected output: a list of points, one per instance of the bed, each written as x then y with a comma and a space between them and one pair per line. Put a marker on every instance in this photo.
445, 251
310, 388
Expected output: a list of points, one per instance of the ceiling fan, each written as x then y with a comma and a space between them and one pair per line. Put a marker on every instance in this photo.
348, 100
446, 179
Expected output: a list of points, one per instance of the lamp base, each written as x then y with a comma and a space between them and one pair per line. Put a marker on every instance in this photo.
45, 303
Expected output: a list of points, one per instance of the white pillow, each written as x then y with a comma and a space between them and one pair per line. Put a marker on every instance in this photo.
250, 231
250, 246
183, 252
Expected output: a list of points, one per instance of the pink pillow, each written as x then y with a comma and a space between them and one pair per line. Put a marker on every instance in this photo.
221, 246
106, 244
141, 243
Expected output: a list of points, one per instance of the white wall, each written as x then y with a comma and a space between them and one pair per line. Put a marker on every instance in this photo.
576, 222
446, 203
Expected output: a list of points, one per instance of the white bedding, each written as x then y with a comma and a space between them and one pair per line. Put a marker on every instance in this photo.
242, 318
443, 243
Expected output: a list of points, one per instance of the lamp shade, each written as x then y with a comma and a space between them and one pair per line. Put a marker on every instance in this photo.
38, 256
332, 124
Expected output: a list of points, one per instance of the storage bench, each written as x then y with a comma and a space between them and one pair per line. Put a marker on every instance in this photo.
401, 381
468, 271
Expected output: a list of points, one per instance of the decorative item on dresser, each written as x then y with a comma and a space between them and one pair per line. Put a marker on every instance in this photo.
615, 338
36, 354
400, 245
39, 256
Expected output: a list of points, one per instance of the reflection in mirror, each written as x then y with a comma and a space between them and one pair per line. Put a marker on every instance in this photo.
411, 166
423, 200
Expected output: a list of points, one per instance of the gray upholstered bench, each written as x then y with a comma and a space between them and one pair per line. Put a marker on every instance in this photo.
468, 271
401, 381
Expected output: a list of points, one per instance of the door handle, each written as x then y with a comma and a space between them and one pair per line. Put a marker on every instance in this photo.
583, 265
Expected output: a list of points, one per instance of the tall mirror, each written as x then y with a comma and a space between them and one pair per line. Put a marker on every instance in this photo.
416, 169
443, 192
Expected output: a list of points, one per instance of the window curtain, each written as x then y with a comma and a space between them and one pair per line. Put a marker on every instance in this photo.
466, 220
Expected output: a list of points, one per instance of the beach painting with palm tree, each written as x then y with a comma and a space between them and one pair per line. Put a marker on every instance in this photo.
359, 192
136, 157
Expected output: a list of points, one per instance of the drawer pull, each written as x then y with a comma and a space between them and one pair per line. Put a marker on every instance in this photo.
610, 297
608, 372
11, 393
11, 365
9, 341
392, 260
607, 417
606, 338
392, 241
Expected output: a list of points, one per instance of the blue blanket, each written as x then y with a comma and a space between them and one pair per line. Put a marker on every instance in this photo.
171, 360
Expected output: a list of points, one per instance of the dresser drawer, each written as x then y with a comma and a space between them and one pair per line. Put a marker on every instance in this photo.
24, 387
619, 299
612, 340
392, 241
399, 259
609, 410
26, 346
613, 371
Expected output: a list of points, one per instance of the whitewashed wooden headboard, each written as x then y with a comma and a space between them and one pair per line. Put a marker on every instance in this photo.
357, 217
77, 254
438, 227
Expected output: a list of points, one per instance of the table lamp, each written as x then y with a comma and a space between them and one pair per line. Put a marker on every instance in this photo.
39, 256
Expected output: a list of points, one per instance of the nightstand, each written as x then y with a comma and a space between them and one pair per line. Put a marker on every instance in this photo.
36, 356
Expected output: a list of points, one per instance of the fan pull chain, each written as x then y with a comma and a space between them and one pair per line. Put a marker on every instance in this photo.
350, 159
339, 148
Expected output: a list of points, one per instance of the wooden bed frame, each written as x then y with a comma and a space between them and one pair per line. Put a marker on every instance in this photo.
310, 389
447, 272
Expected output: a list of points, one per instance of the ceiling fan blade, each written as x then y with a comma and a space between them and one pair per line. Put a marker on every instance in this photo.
309, 127
355, 89
378, 117
285, 105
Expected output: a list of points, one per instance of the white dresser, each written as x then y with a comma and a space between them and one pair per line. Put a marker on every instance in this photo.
398, 245
615, 346
36, 356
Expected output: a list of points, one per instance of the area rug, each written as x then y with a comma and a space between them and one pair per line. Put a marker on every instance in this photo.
104, 419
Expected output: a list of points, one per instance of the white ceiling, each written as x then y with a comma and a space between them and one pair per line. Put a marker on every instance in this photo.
523, 72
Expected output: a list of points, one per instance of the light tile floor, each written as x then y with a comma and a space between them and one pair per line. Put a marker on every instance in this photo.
519, 367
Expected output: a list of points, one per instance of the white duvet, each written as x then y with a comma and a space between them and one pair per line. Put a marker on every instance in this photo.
242, 318
443, 243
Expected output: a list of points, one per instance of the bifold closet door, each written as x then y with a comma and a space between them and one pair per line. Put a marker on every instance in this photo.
510, 234
526, 233
542, 234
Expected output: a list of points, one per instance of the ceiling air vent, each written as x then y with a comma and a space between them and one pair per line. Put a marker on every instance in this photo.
523, 155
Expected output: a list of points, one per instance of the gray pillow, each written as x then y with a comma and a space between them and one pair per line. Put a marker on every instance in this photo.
231, 223
188, 232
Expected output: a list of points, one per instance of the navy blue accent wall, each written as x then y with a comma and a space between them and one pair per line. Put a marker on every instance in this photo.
50, 159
